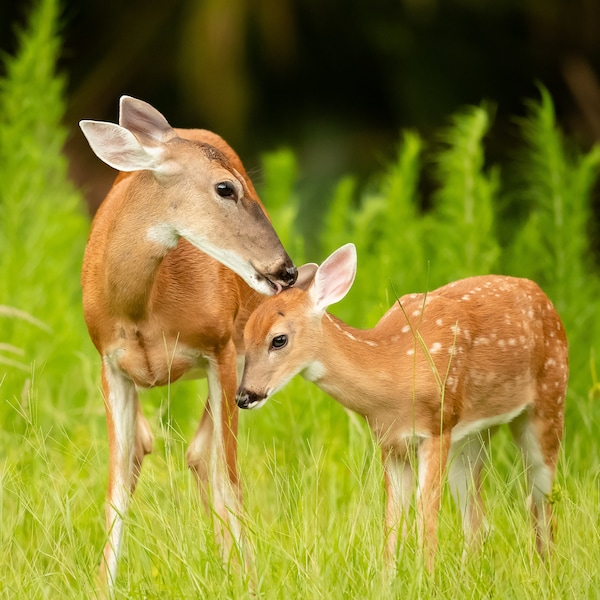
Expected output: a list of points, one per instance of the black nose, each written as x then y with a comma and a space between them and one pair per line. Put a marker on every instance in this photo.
248, 399
290, 276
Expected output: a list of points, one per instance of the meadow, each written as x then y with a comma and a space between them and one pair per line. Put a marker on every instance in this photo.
311, 474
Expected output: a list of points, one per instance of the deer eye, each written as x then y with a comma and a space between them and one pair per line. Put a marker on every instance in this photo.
226, 189
279, 341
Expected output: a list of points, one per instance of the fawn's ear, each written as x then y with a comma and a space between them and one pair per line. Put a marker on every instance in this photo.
334, 278
306, 275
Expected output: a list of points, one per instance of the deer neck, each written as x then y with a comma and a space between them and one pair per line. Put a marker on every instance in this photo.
138, 241
351, 366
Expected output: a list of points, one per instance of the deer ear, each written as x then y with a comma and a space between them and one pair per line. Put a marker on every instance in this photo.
334, 278
137, 143
119, 148
306, 274
144, 121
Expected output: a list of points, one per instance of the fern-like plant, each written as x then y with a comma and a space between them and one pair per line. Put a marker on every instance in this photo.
461, 233
42, 224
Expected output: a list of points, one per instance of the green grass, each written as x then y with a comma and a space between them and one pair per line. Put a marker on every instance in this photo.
313, 515
312, 478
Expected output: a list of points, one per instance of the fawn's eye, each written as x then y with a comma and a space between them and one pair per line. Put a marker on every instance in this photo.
226, 189
279, 341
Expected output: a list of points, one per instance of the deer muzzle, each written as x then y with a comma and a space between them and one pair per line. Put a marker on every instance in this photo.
248, 400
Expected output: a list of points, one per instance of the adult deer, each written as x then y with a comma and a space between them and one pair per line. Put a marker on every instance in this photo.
435, 377
158, 308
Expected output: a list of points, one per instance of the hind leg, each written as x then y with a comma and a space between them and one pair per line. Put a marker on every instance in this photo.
539, 441
432, 456
464, 478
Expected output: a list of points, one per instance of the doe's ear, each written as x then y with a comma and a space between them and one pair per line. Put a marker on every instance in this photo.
119, 148
143, 120
334, 278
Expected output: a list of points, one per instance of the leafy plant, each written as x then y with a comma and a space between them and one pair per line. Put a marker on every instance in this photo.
42, 224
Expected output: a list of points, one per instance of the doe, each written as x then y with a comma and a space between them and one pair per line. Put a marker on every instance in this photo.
436, 376
160, 301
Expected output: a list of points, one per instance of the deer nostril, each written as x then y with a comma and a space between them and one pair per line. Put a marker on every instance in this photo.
248, 399
291, 274
242, 400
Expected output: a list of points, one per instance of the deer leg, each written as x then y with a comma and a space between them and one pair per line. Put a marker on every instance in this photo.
464, 479
432, 456
539, 446
129, 439
399, 482
212, 454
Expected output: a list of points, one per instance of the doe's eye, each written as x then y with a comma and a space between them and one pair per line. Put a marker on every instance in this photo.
279, 341
226, 189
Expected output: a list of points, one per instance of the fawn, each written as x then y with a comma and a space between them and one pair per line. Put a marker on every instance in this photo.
435, 377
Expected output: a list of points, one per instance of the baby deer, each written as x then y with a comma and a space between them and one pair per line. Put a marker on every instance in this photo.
436, 376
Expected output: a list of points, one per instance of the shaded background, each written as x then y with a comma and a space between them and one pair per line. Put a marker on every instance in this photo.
335, 81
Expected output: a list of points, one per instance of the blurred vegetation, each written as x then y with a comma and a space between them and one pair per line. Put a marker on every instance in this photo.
336, 82
43, 229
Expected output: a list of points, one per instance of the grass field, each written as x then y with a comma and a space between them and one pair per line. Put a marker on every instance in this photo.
313, 499
311, 474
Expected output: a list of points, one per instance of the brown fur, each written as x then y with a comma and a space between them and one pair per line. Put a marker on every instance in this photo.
437, 369
157, 314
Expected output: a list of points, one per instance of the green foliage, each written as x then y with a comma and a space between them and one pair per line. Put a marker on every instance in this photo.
553, 247
311, 472
461, 238
42, 227
279, 177
403, 249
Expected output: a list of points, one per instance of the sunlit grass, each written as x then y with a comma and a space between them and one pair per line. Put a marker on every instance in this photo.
313, 515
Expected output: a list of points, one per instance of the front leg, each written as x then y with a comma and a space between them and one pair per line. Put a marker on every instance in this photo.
432, 456
129, 439
399, 483
212, 454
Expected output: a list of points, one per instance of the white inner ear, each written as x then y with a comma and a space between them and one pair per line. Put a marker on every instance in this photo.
334, 278
306, 275
143, 119
119, 148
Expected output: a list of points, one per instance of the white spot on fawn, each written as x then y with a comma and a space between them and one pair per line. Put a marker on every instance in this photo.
435, 347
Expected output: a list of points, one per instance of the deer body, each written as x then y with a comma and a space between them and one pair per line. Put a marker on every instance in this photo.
159, 308
435, 377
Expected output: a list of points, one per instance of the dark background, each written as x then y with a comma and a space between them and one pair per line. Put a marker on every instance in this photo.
335, 81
